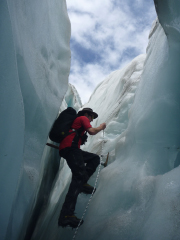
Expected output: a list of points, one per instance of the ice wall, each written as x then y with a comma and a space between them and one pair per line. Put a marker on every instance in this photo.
122, 84
138, 194
46, 226
137, 197
35, 63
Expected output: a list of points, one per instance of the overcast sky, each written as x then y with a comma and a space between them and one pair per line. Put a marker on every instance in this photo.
105, 36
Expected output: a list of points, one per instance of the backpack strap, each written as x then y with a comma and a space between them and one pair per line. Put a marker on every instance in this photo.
69, 133
77, 136
84, 138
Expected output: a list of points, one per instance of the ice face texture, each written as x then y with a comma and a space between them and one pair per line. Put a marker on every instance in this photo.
35, 63
137, 197
122, 84
138, 193
46, 227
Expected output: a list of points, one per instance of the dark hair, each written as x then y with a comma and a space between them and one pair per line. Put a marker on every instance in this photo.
89, 114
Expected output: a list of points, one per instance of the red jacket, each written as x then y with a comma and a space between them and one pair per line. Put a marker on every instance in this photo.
79, 122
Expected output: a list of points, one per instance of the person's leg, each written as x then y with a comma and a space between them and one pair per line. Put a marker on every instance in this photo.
75, 161
92, 161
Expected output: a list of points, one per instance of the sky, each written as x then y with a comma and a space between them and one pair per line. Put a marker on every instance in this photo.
105, 36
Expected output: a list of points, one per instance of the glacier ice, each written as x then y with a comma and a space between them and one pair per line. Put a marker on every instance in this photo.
138, 193
35, 64
48, 217
123, 84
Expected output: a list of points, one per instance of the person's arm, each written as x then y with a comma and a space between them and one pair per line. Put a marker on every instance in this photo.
94, 131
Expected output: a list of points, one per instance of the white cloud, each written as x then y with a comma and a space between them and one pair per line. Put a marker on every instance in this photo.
85, 79
113, 32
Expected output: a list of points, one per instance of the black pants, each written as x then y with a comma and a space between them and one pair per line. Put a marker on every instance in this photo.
76, 159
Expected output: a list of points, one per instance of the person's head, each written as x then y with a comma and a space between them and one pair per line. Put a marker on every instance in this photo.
88, 112
90, 116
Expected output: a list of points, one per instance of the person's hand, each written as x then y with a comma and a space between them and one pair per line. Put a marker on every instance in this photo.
103, 126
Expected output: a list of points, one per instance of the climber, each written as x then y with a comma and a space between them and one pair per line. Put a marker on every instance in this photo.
82, 164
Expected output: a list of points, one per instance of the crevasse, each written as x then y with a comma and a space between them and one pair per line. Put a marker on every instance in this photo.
138, 193
137, 196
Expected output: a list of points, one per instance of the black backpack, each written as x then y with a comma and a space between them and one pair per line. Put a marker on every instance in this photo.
62, 124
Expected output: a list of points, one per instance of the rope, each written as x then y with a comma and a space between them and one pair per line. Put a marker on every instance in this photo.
114, 112
111, 114
92, 192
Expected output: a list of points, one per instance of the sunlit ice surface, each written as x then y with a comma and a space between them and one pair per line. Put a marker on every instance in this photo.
137, 196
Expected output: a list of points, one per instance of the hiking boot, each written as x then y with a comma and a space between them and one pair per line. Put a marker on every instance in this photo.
71, 221
87, 189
